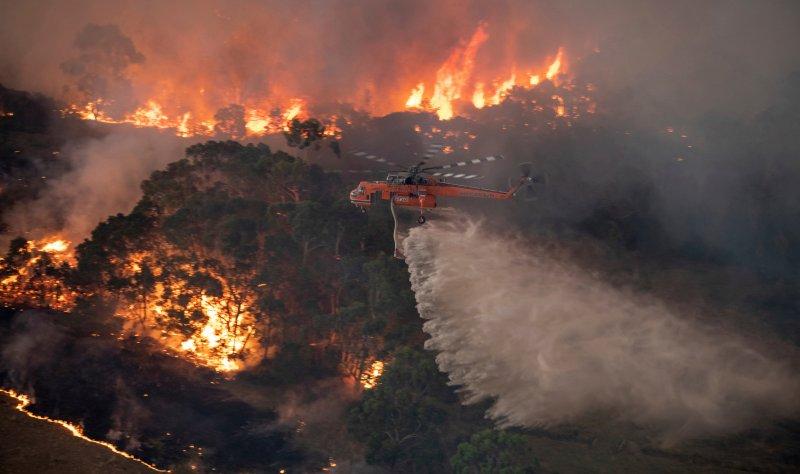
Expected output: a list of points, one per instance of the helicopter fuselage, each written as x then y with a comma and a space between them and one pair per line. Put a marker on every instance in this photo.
419, 192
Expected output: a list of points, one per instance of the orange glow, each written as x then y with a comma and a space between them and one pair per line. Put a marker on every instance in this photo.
23, 401
560, 108
458, 84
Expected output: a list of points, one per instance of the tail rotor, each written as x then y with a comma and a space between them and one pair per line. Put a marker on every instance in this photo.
529, 192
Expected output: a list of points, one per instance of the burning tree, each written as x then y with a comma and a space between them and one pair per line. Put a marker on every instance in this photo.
34, 273
236, 253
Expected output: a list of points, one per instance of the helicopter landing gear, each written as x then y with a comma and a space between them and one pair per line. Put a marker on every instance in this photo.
421, 219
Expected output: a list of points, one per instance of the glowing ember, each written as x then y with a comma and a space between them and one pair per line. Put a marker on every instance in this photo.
31, 275
23, 401
370, 377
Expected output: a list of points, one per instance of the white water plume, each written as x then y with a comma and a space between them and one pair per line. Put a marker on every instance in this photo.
550, 343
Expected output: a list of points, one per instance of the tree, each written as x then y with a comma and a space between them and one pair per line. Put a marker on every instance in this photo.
494, 451
401, 419
230, 121
304, 134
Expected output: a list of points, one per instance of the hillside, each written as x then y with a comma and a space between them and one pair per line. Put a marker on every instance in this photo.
30, 445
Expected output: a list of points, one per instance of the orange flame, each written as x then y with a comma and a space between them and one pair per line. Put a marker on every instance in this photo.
369, 379
415, 99
555, 67
478, 99
452, 76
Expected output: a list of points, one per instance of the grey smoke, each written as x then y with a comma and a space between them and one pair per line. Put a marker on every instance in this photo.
552, 344
99, 68
685, 55
104, 180
35, 344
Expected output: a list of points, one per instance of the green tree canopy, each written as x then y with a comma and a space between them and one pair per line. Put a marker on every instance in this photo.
494, 451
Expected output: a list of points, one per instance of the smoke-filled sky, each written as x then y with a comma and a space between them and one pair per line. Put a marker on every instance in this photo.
683, 55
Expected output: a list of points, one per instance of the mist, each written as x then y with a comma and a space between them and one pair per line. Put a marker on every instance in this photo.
551, 344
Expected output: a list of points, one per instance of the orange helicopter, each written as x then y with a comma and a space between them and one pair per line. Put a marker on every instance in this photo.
416, 188
419, 188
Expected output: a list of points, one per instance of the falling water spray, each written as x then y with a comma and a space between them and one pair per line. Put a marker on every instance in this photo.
550, 343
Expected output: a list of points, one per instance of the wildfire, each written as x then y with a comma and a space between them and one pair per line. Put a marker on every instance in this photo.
31, 274
555, 67
456, 76
257, 120
192, 108
415, 99
369, 379
57, 246
452, 76
23, 401
215, 343
219, 328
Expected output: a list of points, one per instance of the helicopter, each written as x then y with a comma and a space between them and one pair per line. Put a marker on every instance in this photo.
417, 188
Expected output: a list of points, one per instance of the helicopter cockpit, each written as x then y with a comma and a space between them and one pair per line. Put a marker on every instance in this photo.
406, 178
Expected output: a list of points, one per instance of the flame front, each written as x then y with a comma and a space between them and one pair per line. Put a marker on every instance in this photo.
24, 401
201, 106
32, 274
457, 75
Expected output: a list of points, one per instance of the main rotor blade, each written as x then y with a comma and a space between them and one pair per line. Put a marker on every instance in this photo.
430, 152
358, 171
474, 161
457, 175
369, 156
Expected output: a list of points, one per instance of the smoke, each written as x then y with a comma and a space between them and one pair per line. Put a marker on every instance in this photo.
552, 344
716, 52
38, 340
99, 69
104, 179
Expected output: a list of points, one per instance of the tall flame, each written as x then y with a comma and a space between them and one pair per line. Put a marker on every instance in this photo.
457, 73
415, 99
452, 76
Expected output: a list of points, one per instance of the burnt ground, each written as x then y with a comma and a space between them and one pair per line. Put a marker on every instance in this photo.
29, 445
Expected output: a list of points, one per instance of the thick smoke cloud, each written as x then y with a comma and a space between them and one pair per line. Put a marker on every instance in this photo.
553, 344
99, 70
104, 180
678, 57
